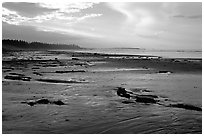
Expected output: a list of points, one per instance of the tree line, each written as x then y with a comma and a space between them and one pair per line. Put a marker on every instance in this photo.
20, 44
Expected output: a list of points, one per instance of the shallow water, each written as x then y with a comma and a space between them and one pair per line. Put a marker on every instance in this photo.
116, 69
162, 53
185, 88
154, 118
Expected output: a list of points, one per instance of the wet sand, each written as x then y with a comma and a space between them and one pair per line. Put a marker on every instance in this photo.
87, 85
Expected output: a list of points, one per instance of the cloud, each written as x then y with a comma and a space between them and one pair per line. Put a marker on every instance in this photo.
188, 17
195, 17
179, 16
67, 7
143, 13
69, 31
27, 9
58, 11
60, 20
147, 14
154, 35
12, 17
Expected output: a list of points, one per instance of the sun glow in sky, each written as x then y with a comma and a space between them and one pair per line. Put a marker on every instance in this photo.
100, 24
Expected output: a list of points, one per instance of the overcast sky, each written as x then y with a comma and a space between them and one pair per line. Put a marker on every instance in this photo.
144, 25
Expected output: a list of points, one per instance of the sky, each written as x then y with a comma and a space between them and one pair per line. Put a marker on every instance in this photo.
156, 25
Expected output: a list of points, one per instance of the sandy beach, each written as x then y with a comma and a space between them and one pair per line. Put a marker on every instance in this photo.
49, 92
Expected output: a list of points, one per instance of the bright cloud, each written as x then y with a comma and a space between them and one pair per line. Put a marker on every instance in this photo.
137, 16
64, 10
11, 17
67, 7
147, 19
139, 19
62, 14
69, 31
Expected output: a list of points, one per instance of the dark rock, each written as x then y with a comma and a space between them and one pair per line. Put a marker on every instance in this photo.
58, 102
70, 71
145, 90
145, 99
43, 101
128, 102
23, 78
75, 59
31, 103
58, 81
79, 64
186, 106
140, 90
17, 74
164, 71
122, 92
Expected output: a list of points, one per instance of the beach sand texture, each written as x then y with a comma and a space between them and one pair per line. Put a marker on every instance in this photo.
49, 92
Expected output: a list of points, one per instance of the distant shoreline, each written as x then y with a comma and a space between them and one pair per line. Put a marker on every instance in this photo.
8, 44
148, 53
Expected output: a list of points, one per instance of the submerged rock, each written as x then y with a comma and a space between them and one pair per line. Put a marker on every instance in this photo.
164, 72
59, 81
58, 102
143, 98
186, 106
128, 102
23, 78
147, 98
70, 71
151, 99
17, 74
43, 101
31, 103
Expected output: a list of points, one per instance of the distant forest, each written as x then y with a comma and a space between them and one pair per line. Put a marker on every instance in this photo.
8, 44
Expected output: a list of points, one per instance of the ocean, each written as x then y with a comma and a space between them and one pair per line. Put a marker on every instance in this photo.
195, 54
